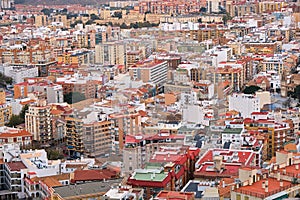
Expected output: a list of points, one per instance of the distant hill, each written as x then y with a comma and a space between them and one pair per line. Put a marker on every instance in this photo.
61, 2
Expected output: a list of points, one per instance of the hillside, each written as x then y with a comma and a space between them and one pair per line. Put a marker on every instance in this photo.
61, 2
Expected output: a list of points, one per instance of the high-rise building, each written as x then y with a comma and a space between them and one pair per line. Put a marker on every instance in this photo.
150, 71
74, 136
244, 103
97, 139
7, 4
38, 121
110, 53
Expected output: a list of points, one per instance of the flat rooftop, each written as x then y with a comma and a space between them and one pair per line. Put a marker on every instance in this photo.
88, 188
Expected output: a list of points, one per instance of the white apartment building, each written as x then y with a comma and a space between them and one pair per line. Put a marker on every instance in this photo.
153, 71
244, 103
18, 73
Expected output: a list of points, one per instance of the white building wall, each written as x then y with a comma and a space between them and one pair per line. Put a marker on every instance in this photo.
244, 103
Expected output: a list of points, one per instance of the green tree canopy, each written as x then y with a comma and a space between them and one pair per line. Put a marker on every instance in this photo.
94, 17
251, 89
14, 121
74, 97
5, 80
117, 14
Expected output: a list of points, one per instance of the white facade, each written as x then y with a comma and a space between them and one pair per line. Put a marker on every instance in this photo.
55, 94
194, 114
244, 103
19, 73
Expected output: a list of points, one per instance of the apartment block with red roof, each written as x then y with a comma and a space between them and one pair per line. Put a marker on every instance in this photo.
14, 135
280, 181
221, 163
172, 195
152, 179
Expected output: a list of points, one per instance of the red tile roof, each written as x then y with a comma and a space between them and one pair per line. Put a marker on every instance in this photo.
172, 195
92, 175
16, 166
256, 189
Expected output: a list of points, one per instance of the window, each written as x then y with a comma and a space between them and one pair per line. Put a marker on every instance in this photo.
238, 197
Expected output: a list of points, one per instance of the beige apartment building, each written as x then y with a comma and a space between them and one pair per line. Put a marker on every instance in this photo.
110, 53
97, 139
38, 121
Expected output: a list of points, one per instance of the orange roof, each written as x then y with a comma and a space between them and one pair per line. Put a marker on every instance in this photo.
56, 112
51, 182
172, 195
257, 190
290, 147
15, 133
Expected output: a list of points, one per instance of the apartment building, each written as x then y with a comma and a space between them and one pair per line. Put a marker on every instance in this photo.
97, 138
13, 135
7, 4
221, 75
110, 53
38, 121
5, 113
278, 133
19, 73
2, 96
169, 7
123, 124
150, 71
238, 101
79, 84
74, 136
20, 90
279, 182
133, 57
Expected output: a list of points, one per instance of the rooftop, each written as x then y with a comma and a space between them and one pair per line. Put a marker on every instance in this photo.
173, 195
257, 190
16, 166
232, 131
86, 188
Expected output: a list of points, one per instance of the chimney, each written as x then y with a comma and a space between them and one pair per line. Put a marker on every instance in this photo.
266, 189
223, 184
281, 183
217, 162
297, 167
267, 183
232, 188
263, 185
278, 176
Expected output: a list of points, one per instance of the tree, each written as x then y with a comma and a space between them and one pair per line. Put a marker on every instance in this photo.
117, 14
46, 11
251, 89
226, 17
75, 23
123, 26
297, 92
89, 22
23, 112
74, 97
54, 154
14, 121
5, 80
94, 17
202, 9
